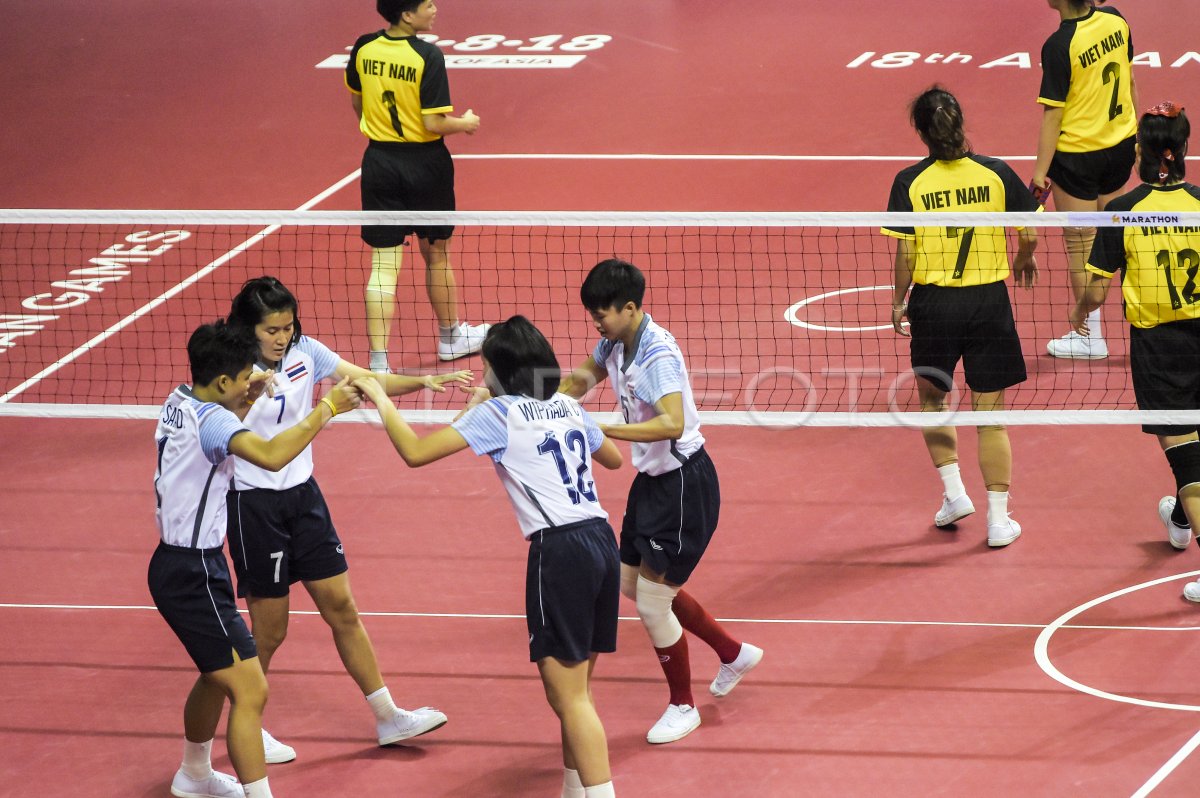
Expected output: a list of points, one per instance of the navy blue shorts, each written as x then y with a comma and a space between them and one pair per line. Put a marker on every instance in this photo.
279, 537
572, 589
1163, 361
973, 323
191, 590
670, 518
406, 176
1087, 175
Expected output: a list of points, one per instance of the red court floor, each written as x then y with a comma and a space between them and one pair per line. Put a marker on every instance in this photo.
901, 659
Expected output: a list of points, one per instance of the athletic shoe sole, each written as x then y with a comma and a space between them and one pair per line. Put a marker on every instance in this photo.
953, 518
1101, 356
1166, 506
677, 736
397, 738
712, 688
997, 543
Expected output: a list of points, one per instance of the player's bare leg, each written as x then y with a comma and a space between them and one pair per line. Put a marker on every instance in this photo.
336, 605
455, 338
380, 298
568, 691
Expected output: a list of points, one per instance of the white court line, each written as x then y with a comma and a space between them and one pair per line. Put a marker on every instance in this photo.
1042, 656
785, 621
1166, 769
170, 293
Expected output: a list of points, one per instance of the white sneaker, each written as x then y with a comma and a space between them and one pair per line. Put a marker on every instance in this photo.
677, 722
1003, 533
217, 785
1074, 346
1180, 537
468, 340
275, 751
404, 724
953, 510
729, 675
1191, 591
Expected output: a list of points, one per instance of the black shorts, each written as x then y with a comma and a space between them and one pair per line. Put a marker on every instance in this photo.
572, 588
1087, 175
278, 537
974, 323
670, 518
191, 590
403, 176
1164, 362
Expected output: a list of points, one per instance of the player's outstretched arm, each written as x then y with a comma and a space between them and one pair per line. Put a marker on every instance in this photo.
667, 425
415, 450
583, 379
400, 384
280, 450
608, 455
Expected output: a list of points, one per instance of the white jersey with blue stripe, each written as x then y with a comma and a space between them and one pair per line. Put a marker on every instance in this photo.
542, 452
305, 364
194, 469
652, 369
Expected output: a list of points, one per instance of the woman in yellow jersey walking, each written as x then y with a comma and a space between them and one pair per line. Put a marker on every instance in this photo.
1162, 305
959, 307
1085, 148
401, 95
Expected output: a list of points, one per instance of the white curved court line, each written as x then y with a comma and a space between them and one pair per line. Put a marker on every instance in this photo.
790, 314
1043, 658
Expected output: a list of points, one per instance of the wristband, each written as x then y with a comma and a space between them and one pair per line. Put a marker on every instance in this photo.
332, 407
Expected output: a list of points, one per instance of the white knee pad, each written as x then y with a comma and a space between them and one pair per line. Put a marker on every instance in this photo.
385, 269
654, 608
629, 581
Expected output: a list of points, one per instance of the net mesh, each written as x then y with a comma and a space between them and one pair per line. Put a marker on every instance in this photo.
783, 318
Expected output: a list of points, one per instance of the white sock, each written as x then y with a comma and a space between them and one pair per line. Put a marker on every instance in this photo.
197, 759
381, 704
952, 480
377, 359
997, 506
258, 789
1093, 323
572, 786
448, 334
604, 790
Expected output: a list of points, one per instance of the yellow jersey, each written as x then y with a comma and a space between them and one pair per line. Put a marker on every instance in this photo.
400, 81
1086, 71
1160, 261
958, 256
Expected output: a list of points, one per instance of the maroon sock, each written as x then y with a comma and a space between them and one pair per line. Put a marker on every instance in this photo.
678, 669
696, 620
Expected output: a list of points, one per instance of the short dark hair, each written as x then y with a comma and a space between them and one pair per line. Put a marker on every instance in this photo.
218, 349
611, 284
391, 10
521, 358
261, 297
938, 118
1163, 139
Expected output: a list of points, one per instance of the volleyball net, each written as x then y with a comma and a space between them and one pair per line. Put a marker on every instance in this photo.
784, 318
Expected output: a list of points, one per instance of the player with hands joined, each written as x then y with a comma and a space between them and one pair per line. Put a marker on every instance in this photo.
542, 445
199, 434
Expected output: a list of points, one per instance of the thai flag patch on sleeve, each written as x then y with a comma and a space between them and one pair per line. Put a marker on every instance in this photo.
296, 371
